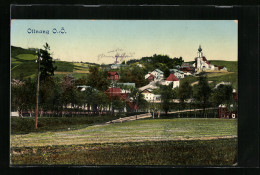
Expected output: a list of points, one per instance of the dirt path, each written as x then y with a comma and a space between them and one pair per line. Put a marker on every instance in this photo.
188, 110
130, 118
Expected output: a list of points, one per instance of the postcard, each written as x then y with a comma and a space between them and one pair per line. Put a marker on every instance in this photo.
124, 92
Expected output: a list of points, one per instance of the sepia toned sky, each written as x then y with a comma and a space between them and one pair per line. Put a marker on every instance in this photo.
85, 40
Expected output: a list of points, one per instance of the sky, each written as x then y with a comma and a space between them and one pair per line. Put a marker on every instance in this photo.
98, 41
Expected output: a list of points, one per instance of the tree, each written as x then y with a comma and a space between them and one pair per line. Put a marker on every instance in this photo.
47, 69
222, 95
203, 92
167, 94
97, 79
184, 91
23, 95
133, 74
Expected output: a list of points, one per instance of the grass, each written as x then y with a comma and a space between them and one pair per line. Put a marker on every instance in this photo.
230, 65
134, 131
220, 152
176, 142
63, 66
26, 125
27, 69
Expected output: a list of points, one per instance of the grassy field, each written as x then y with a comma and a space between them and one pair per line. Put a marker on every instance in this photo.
230, 65
26, 125
135, 131
220, 152
185, 142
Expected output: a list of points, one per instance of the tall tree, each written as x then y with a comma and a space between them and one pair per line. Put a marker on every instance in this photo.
185, 91
203, 92
47, 69
222, 95
167, 94
98, 78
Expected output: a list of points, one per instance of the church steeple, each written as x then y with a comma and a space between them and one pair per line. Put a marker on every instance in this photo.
200, 49
200, 52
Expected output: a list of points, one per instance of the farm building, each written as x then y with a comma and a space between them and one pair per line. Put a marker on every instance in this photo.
113, 75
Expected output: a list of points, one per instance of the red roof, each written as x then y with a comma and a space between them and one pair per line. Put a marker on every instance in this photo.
204, 59
172, 77
151, 75
114, 90
112, 73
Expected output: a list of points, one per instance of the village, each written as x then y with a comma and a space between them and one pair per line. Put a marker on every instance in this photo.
156, 78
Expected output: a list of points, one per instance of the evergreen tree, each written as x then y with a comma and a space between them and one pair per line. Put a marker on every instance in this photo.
46, 64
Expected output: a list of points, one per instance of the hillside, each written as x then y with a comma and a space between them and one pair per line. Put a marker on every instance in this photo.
23, 65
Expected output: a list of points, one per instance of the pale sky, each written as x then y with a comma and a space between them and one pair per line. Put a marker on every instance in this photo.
84, 40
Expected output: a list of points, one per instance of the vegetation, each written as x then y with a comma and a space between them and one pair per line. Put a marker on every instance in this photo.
220, 152
138, 142
230, 65
134, 131
26, 125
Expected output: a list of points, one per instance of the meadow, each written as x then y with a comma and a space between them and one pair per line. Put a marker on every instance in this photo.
142, 142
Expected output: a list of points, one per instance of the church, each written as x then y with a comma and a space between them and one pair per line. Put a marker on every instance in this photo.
201, 63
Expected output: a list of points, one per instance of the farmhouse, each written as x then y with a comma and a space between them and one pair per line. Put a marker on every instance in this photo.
178, 73
172, 79
157, 73
149, 96
113, 75
116, 93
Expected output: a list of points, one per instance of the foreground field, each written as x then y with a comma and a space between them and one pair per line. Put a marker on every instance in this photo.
135, 131
220, 152
186, 142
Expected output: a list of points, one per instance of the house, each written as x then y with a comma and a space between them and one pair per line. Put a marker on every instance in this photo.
178, 73
186, 65
112, 75
83, 87
113, 92
149, 96
115, 66
221, 68
157, 73
172, 79
151, 77
187, 70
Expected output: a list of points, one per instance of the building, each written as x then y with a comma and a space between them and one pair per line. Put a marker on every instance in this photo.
155, 75
149, 96
201, 63
113, 75
172, 79
178, 73
116, 93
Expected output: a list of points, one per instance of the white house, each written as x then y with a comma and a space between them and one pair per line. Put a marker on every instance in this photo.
172, 79
149, 96
178, 73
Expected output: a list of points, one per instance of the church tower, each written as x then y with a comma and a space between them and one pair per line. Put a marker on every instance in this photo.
199, 58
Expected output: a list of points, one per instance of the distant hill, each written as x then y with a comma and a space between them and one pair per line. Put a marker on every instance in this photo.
23, 65
230, 65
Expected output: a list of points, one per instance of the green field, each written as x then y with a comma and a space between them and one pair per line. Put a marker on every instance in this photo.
230, 65
220, 152
142, 142
135, 131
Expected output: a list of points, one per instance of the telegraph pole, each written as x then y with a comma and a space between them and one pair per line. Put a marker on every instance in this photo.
38, 87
